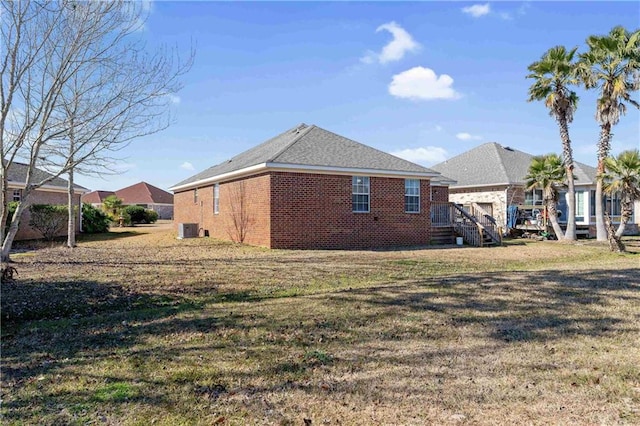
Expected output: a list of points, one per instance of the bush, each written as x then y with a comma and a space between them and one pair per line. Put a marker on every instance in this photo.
136, 214
48, 219
94, 221
151, 216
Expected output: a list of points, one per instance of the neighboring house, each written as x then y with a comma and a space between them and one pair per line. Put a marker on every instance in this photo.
492, 176
309, 188
148, 196
96, 198
54, 192
141, 194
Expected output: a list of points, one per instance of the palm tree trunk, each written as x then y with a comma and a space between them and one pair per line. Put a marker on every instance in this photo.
615, 243
567, 155
603, 152
625, 216
553, 218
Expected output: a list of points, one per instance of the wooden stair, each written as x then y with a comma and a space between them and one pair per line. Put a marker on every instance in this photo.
443, 235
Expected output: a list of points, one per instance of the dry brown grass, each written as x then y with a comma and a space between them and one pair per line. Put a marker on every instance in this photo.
140, 328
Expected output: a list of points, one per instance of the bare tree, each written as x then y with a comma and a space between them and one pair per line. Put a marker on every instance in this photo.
240, 215
77, 85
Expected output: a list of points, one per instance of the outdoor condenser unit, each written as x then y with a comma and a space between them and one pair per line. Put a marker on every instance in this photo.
187, 230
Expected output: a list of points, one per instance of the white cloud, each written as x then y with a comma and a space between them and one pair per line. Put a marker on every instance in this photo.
187, 166
426, 155
422, 83
175, 99
396, 49
438, 128
522, 10
463, 136
477, 10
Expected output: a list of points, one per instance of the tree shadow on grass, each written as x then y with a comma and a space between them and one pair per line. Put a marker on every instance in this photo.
521, 306
86, 322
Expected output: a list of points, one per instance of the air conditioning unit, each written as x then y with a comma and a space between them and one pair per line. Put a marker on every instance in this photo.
187, 230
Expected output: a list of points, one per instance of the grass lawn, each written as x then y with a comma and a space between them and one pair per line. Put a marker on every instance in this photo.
139, 328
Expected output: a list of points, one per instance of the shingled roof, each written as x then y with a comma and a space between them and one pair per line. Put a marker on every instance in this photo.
494, 164
17, 175
309, 147
144, 193
96, 197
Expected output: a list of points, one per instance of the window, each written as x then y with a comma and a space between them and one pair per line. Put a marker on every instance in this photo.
195, 195
579, 206
216, 198
17, 194
360, 194
533, 198
412, 196
611, 203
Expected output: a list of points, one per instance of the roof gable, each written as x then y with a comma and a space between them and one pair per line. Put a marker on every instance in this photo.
307, 147
96, 197
494, 164
144, 193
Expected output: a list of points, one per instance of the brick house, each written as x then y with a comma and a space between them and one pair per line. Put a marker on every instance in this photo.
96, 198
148, 196
492, 176
141, 194
309, 188
54, 192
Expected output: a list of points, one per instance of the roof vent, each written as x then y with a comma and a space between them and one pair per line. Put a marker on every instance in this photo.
508, 148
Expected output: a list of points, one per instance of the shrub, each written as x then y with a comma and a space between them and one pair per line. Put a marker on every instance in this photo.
136, 214
48, 219
94, 221
151, 216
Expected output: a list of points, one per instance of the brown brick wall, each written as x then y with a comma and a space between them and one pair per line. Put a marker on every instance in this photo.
313, 211
41, 197
308, 211
221, 225
440, 193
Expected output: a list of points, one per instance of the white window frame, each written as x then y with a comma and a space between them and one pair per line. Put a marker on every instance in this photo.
537, 197
17, 195
411, 191
216, 198
360, 187
195, 196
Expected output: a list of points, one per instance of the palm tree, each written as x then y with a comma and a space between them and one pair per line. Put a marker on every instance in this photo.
547, 172
112, 205
611, 65
554, 74
622, 174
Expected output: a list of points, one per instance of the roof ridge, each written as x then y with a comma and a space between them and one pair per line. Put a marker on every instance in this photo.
301, 133
495, 145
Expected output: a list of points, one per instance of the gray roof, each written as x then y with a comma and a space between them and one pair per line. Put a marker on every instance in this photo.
310, 145
494, 164
17, 174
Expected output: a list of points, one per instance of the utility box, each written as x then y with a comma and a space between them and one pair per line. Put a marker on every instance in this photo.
187, 230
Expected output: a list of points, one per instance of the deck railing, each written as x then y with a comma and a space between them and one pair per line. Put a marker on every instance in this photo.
441, 214
488, 222
471, 225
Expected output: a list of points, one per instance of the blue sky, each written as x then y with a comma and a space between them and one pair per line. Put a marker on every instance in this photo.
422, 80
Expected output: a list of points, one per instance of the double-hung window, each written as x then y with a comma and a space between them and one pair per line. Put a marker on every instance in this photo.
17, 194
412, 195
216, 198
360, 191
